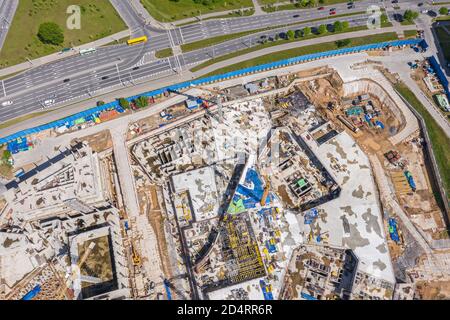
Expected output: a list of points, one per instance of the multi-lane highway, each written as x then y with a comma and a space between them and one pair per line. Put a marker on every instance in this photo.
118, 65
7, 11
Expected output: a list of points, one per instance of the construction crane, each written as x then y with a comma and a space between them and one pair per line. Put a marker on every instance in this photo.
266, 191
79, 264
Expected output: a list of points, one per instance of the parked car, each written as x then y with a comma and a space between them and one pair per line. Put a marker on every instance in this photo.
332, 13
296, 16
321, 8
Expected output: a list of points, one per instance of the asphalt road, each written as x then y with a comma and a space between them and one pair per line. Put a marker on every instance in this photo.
121, 65
7, 11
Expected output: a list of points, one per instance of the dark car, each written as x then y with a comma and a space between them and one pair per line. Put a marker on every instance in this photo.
332, 9
136, 68
350, 3
394, 1
296, 16
431, 13
105, 77
66, 80
420, 4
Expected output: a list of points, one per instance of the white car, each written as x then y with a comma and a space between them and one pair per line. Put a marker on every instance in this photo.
49, 102
7, 103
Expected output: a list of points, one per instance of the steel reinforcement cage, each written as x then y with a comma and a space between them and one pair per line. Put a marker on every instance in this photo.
217, 78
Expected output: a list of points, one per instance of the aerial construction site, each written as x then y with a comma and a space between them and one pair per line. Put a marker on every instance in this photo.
312, 181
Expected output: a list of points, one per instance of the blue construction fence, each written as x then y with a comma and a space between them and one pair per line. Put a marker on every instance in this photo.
440, 74
216, 78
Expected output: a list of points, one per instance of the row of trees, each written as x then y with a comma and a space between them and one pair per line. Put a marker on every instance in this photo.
140, 102
338, 26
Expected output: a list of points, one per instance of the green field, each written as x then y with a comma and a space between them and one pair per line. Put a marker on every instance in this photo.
213, 41
267, 5
98, 20
444, 41
299, 51
169, 11
410, 33
233, 14
164, 53
439, 140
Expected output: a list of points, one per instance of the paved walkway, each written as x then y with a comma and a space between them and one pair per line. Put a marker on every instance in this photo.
58, 55
258, 9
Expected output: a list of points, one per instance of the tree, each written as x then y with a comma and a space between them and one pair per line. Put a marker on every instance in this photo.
141, 102
322, 29
306, 31
410, 15
51, 33
384, 18
342, 43
277, 37
345, 25
100, 103
443, 11
290, 34
298, 33
124, 103
337, 26
6, 155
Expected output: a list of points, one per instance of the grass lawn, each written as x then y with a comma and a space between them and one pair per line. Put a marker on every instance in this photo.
442, 18
169, 11
407, 23
266, 5
440, 142
21, 119
164, 53
294, 52
299, 51
410, 33
98, 20
234, 14
212, 41
444, 41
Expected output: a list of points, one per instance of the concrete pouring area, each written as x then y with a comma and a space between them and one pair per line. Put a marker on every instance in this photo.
270, 186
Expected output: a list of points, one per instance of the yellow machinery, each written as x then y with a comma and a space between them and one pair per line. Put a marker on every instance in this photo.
136, 257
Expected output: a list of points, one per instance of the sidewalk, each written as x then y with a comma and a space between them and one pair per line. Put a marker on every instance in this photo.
59, 55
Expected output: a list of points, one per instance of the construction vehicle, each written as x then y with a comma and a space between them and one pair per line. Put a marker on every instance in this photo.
136, 257
266, 192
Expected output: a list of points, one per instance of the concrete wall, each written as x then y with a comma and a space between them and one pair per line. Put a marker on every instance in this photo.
383, 91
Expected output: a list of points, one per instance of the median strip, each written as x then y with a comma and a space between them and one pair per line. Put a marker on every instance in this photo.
205, 64
216, 40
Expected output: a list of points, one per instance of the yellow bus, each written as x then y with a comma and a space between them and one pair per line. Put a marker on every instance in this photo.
137, 40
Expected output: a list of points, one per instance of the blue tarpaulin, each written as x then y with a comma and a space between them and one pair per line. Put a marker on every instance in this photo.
215, 78
440, 74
